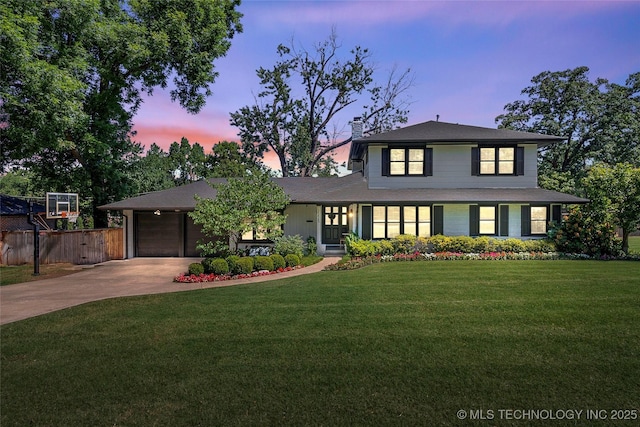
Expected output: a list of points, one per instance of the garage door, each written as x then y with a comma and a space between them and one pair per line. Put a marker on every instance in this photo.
158, 235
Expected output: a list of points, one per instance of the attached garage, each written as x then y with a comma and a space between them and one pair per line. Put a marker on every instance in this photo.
169, 234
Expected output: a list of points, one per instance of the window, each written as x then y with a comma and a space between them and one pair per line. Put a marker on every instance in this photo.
538, 219
482, 220
497, 161
487, 220
390, 221
406, 161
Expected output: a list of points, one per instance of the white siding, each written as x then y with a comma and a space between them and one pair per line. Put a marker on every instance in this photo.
301, 220
515, 226
452, 169
456, 220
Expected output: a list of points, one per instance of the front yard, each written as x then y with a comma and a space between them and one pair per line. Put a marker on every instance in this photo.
389, 344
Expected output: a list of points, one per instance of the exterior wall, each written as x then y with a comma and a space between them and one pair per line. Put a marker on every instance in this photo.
452, 169
456, 220
128, 241
302, 220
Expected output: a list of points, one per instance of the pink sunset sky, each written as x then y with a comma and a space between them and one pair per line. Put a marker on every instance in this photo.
469, 58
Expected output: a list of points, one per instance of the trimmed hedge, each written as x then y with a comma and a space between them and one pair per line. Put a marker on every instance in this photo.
292, 260
278, 261
196, 268
244, 265
215, 266
263, 263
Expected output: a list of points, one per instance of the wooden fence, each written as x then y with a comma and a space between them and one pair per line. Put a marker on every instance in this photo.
75, 246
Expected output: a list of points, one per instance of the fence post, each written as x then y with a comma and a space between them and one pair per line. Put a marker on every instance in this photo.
36, 241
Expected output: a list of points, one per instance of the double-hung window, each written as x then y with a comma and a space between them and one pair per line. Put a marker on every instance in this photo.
539, 219
483, 220
407, 161
497, 160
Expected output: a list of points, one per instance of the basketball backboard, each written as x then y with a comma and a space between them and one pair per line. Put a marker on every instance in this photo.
62, 205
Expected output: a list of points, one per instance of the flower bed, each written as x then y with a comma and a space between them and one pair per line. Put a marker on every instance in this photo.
359, 262
201, 278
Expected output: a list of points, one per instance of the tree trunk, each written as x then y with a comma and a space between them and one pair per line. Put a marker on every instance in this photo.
625, 241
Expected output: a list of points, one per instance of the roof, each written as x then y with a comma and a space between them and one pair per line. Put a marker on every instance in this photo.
349, 189
11, 205
436, 133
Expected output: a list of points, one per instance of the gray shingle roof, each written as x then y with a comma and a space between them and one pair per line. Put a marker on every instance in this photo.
349, 189
435, 132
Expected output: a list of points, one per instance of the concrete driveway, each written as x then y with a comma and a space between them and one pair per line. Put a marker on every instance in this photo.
112, 279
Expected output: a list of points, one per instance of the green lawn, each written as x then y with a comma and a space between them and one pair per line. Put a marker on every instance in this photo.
390, 344
634, 244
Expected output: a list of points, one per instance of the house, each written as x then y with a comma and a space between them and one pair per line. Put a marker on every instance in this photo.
427, 179
14, 214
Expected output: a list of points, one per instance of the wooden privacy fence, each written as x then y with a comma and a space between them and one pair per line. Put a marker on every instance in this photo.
74, 246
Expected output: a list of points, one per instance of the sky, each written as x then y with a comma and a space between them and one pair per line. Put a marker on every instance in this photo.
469, 58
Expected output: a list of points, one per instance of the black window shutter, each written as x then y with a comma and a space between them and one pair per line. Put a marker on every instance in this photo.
525, 218
504, 220
438, 220
428, 162
475, 161
367, 222
385, 162
474, 220
556, 214
519, 160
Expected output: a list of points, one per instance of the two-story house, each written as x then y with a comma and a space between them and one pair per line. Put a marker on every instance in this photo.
427, 179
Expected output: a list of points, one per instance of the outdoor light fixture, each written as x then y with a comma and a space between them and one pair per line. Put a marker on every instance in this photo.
157, 212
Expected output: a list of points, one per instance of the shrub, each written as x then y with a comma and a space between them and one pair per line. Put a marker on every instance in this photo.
383, 247
278, 261
286, 245
403, 243
585, 233
512, 245
440, 243
196, 268
292, 260
244, 265
263, 263
362, 248
312, 246
232, 262
216, 266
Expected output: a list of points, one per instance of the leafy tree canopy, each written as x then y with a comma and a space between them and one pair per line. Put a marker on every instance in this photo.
615, 191
253, 203
295, 114
73, 74
600, 121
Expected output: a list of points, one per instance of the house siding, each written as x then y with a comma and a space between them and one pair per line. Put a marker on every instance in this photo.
301, 220
452, 169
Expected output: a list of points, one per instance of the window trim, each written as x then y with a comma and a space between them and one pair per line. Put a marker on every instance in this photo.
401, 222
427, 161
546, 220
518, 160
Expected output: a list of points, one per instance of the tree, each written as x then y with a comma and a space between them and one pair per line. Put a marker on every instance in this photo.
616, 192
599, 120
296, 124
253, 203
73, 75
152, 172
227, 161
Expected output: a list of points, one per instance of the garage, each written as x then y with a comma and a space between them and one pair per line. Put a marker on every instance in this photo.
166, 234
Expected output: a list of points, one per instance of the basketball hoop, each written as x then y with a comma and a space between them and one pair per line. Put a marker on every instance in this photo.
70, 216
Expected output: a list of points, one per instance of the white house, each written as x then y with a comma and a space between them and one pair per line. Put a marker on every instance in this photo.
430, 178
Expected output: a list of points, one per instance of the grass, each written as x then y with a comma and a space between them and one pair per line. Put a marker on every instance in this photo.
390, 344
634, 244
10, 275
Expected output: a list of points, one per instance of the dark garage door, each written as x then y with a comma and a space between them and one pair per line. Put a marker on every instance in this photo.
159, 235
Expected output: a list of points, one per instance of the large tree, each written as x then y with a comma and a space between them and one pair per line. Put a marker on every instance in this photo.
73, 75
295, 114
615, 191
600, 121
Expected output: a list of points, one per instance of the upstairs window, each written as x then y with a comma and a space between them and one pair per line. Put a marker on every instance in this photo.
497, 161
407, 161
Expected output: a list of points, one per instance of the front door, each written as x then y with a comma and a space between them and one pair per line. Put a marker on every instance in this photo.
334, 224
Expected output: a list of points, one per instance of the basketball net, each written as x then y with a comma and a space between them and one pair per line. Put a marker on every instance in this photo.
70, 216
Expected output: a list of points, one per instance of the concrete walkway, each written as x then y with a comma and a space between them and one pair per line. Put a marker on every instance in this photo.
112, 279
